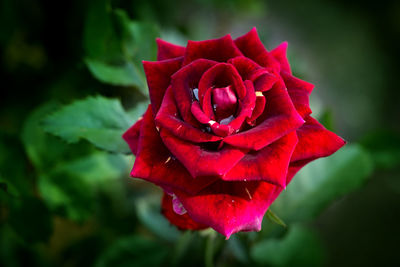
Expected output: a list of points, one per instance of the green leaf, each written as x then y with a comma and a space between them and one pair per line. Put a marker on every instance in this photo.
299, 247
148, 211
120, 73
115, 54
274, 218
384, 146
99, 120
322, 181
70, 188
133, 251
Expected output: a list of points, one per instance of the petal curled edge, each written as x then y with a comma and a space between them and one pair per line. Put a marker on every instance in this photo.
269, 164
199, 161
299, 92
182, 83
230, 207
314, 142
221, 50
183, 222
252, 47
279, 118
154, 163
131, 136
167, 117
279, 53
158, 74
166, 50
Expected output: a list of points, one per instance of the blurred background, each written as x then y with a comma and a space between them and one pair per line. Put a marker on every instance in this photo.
72, 204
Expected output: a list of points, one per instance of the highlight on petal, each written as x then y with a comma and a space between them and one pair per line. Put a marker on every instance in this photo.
183, 222
200, 161
158, 76
279, 118
166, 50
230, 207
155, 163
131, 136
221, 50
269, 164
167, 117
184, 82
279, 53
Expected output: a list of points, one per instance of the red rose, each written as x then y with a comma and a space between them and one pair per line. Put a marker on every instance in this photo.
227, 129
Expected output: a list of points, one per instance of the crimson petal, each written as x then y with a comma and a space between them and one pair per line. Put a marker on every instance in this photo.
314, 142
183, 222
280, 119
184, 81
252, 47
131, 136
167, 117
269, 164
299, 92
221, 49
166, 50
199, 161
230, 207
279, 53
154, 163
158, 76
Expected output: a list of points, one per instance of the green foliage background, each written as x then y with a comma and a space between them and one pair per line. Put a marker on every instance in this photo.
72, 83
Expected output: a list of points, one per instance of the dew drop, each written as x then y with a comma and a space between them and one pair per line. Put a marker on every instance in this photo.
196, 93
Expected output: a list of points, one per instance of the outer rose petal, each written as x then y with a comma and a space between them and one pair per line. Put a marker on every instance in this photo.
299, 92
156, 164
199, 161
314, 142
158, 76
167, 117
269, 164
166, 50
281, 119
221, 50
181, 221
252, 47
279, 54
131, 136
230, 207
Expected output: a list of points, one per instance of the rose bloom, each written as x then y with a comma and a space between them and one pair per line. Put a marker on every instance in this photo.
227, 129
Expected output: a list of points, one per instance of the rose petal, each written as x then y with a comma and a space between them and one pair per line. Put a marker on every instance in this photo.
200, 161
252, 47
280, 118
219, 76
279, 53
258, 109
183, 81
183, 222
246, 107
230, 207
166, 50
154, 163
221, 50
269, 164
314, 142
299, 92
225, 102
158, 76
167, 117
131, 136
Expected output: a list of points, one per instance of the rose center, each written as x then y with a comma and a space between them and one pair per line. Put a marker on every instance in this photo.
224, 104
